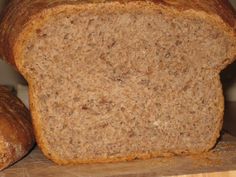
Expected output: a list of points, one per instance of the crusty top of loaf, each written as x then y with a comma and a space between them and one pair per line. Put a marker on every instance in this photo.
19, 12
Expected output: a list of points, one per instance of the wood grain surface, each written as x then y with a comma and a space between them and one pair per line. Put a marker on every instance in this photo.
220, 162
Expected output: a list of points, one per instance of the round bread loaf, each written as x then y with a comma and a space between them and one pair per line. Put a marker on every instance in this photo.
16, 132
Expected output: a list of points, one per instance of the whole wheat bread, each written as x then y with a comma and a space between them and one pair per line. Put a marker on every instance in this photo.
119, 80
16, 132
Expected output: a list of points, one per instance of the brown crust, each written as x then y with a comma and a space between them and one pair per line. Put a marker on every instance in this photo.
15, 129
19, 12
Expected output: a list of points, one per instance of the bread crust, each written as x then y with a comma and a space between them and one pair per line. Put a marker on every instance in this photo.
16, 133
26, 11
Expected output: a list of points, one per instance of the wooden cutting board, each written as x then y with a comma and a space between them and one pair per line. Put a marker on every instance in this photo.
220, 162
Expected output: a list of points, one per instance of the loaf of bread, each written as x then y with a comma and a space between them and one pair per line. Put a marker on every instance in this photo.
16, 132
120, 80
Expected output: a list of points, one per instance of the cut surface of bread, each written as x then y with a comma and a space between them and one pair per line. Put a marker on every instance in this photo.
119, 81
16, 132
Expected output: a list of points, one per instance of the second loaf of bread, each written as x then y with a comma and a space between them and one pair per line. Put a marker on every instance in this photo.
16, 132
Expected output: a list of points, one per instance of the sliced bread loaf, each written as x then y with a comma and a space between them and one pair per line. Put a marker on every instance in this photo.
119, 80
